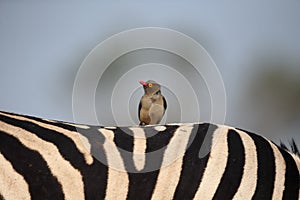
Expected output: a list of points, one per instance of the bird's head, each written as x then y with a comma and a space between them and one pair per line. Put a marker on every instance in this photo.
150, 87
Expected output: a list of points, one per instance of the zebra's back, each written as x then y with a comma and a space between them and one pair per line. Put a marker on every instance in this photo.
45, 159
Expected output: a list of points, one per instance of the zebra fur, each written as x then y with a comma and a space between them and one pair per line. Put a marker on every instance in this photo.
47, 159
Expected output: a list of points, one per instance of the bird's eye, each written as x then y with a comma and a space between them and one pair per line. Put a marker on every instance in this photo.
150, 85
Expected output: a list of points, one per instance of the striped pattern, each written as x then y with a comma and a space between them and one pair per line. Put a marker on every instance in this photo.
45, 159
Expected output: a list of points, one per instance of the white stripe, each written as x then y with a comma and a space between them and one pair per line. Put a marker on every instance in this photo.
79, 140
118, 182
169, 174
280, 173
66, 175
71, 124
110, 127
160, 128
139, 148
12, 184
248, 183
216, 165
176, 124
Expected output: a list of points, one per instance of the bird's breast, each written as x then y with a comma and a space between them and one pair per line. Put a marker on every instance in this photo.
146, 103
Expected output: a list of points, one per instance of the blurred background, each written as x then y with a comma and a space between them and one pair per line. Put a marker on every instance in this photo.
254, 44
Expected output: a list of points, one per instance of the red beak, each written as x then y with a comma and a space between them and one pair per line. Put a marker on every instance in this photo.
143, 83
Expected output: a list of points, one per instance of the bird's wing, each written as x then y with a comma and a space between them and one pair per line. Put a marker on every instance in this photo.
139, 109
165, 104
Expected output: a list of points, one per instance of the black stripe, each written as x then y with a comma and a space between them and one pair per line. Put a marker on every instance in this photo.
291, 183
31, 165
266, 167
65, 145
124, 140
53, 122
156, 146
232, 176
193, 166
142, 184
95, 175
157, 140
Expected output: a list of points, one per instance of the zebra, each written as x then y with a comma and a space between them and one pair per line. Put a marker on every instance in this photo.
48, 159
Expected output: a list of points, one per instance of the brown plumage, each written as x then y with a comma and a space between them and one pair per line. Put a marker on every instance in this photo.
152, 105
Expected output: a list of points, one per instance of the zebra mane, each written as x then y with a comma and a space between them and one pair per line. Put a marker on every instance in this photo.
292, 148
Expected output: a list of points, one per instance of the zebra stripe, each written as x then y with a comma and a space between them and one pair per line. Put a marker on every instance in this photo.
61, 169
279, 166
115, 177
215, 167
10, 179
46, 159
173, 157
248, 182
139, 148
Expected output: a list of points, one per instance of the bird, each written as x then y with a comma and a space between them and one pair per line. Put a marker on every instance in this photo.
152, 105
